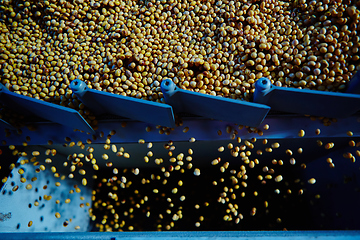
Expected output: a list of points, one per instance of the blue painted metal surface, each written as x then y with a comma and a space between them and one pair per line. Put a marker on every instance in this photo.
137, 109
241, 112
51, 112
224, 235
303, 101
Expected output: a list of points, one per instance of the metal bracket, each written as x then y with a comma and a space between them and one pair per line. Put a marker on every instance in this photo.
49, 111
241, 112
304, 101
137, 109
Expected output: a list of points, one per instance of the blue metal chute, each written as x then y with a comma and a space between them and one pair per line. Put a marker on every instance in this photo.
241, 112
304, 101
48, 111
137, 109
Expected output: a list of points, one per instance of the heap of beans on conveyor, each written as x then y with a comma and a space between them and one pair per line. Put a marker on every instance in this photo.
214, 47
